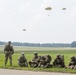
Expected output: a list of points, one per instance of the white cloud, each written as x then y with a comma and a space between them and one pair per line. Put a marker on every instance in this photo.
1, 10
25, 6
1, 6
38, 17
1, 1
33, 24
45, 4
31, 15
74, 12
71, 16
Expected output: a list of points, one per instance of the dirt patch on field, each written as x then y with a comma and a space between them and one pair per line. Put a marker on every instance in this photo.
21, 72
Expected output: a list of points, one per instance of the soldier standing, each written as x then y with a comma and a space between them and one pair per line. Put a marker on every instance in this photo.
22, 61
8, 50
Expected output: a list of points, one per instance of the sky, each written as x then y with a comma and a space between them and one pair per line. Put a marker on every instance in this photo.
42, 26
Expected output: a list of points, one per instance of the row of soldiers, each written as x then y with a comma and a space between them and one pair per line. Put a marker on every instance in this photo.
38, 61
44, 61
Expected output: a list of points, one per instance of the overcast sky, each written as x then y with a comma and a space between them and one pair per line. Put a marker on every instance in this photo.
42, 26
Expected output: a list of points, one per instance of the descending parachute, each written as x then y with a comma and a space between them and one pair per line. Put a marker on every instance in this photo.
63, 8
24, 29
48, 8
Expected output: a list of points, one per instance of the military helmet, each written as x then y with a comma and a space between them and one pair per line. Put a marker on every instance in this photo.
9, 42
35, 53
58, 55
22, 53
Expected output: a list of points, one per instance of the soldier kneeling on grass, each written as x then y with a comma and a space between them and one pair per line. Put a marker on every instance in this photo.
22, 61
45, 61
59, 61
72, 63
34, 62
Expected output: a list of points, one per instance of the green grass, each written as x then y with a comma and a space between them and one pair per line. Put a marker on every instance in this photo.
67, 52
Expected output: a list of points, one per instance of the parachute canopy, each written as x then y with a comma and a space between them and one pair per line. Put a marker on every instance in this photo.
24, 29
63, 8
48, 8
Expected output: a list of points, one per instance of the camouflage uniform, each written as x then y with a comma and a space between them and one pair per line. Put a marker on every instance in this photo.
22, 61
59, 61
8, 50
35, 60
72, 63
45, 61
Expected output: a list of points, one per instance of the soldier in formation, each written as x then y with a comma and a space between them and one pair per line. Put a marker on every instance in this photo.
72, 63
22, 61
8, 50
59, 61
45, 61
40, 61
34, 62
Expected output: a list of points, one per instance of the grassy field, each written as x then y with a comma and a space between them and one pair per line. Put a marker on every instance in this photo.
67, 52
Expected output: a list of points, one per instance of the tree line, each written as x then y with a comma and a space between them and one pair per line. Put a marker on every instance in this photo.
73, 44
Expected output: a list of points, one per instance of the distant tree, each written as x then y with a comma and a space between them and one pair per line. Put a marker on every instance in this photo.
2, 43
73, 44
